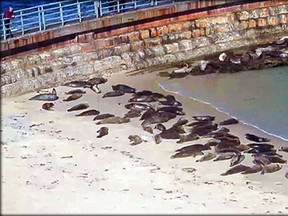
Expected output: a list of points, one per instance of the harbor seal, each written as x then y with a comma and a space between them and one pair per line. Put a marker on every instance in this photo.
124, 88
204, 118
158, 117
115, 93
46, 96
224, 156
103, 116
76, 91
47, 106
189, 137
132, 114
253, 169
237, 169
97, 80
138, 106
236, 159
183, 154
74, 96
283, 148
207, 157
135, 139
148, 129
255, 138
113, 120
88, 113
103, 131
270, 168
229, 121
80, 106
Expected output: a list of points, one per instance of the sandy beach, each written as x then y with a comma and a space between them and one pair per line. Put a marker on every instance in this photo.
52, 162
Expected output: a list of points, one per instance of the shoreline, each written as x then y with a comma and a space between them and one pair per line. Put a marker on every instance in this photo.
113, 167
228, 114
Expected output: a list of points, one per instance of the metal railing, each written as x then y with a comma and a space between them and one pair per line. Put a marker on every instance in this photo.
43, 17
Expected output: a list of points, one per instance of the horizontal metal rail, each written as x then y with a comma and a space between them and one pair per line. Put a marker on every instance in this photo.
43, 17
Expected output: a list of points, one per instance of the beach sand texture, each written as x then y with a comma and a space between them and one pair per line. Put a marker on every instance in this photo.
52, 162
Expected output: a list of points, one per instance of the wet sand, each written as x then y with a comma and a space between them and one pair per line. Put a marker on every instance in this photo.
52, 162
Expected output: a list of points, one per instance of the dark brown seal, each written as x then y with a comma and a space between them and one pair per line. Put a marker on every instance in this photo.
113, 94
76, 91
124, 88
88, 113
236, 159
102, 132
47, 106
229, 121
270, 168
135, 139
80, 106
103, 116
74, 96
255, 138
254, 169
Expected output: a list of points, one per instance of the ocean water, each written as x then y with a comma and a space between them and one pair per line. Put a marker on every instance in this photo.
258, 98
21, 4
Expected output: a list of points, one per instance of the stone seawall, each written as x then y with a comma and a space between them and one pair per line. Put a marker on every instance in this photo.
141, 46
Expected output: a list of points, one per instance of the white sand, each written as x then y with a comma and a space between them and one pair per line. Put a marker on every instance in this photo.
107, 175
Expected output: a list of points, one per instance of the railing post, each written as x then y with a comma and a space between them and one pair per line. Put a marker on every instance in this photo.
100, 7
156, 2
79, 11
39, 18
61, 13
43, 18
118, 6
22, 23
152, 2
96, 8
4, 28
135, 4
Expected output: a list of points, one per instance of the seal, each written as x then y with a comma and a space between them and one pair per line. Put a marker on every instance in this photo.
183, 154
260, 160
229, 121
97, 80
194, 147
172, 109
47, 96
135, 139
76, 91
275, 159
47, 106
224, 156
158, 117
103, 131
74, 96
157, 139
236, 159
144, 98
122, 87
89, 113
270, 168
170, 100
132, 114
138, 106
115, 93
103, 116
207, 157
255, 138
253, 169
283, 148
172, 132
80, 106
148, 129
78, 83
237, 169
189, 137
204, 118
180, 122
113, 120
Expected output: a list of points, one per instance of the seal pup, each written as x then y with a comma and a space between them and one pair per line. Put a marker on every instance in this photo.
270, 168
253, 169
135, 139
103, 116
237, 169
102, 132
229, 121
46, 96
255, 138
88, 113
80, 106
47, 106
124, 88
115, 93
113, 120
76, 91
74, 96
